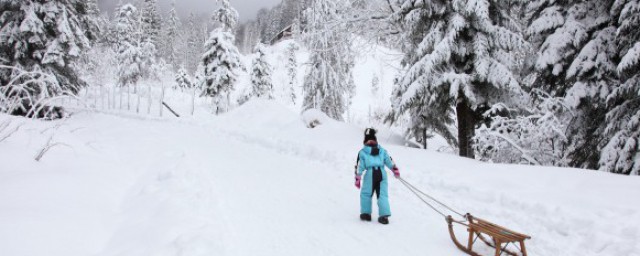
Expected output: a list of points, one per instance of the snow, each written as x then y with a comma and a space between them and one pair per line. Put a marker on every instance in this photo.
630, 59
257, 181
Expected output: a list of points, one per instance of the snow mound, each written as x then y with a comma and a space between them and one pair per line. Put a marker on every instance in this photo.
268, 119
262, 115
314, 118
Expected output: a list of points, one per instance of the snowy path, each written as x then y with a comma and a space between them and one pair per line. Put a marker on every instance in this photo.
251, 183
251, 199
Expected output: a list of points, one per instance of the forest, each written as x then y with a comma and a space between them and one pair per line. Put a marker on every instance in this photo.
538, 82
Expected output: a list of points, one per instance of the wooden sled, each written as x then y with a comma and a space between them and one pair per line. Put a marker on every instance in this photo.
500, 237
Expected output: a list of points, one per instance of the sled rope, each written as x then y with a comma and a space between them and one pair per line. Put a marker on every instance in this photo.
417, 192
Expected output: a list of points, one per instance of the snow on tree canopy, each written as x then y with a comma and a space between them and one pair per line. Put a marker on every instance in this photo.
535, 136
221, 62
576, 59
45, 35
261, 74
457, 53
194, 43
328, 83
449, 40
183, 81
292, 69
128, 46
170, 50
573, 42
621, 154
226, 15
151, 21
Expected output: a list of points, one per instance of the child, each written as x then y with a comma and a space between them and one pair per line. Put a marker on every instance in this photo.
371, 160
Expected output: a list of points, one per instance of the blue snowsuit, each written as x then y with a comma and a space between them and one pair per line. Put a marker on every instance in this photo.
372, 159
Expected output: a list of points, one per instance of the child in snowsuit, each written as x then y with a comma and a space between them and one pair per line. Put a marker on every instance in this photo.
371, 160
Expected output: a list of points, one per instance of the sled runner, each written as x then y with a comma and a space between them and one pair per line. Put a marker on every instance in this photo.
501, 237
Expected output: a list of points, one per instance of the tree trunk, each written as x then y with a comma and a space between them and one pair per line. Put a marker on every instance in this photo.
466, 128
424, 138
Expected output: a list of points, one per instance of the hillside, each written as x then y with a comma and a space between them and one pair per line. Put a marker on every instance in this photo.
257, 181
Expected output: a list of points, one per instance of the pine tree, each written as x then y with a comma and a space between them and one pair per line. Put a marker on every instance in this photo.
328, 84
172, 38
576, 52
183, 81
621, 154
292, 70
457, 55
128, 47
192, 45
47, 37
151, 22
261, 74
221, 61
227, 16
148, 61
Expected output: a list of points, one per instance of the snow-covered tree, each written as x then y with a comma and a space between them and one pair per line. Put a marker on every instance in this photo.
151, 21
328, 84
183, 81
531, 136
457, 55
172, 36
192, 49
227, 16
45, 37
292, 70
621, 154
221, 62
261, 74
128, 47
422, 116
576, 53
149, 64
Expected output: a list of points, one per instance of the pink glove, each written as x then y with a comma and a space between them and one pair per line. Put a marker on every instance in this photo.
358, 181
396, 172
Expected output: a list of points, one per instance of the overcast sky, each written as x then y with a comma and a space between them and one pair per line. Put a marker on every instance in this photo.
246, 8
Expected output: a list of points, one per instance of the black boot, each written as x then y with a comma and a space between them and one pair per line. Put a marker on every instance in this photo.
384, 220
365, 217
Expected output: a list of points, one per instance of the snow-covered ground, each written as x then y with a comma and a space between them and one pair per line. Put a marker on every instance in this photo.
257, 181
